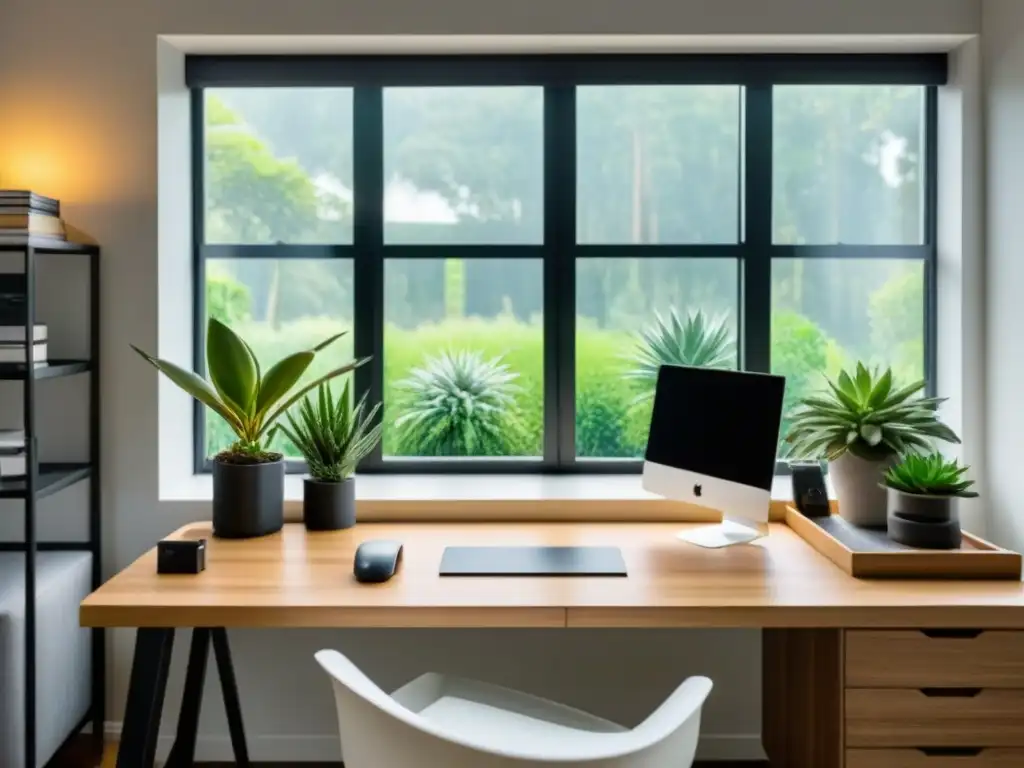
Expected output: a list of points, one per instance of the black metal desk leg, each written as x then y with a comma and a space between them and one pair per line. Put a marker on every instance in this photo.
183, 753
145, 697
232, 705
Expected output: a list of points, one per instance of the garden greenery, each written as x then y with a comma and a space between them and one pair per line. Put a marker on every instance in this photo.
698, 341
460, 403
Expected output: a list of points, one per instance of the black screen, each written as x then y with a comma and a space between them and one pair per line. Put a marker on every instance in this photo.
723, 424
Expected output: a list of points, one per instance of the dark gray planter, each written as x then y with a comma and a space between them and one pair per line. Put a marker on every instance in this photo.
926, 522
329, 506
248, 499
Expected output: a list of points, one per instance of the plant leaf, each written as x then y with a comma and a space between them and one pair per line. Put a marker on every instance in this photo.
232, 367
195, 386
279, 380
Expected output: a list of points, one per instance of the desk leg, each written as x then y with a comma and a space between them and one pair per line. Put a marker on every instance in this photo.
183, 753
802, 697
145, 697
232, 705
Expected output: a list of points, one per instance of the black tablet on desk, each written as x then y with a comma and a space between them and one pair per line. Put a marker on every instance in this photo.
532, 561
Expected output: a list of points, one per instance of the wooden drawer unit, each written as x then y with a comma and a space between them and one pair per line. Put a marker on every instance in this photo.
935, 758
939, 658
878, 717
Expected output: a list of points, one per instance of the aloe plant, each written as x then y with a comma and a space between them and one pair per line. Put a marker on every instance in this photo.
332, 436
460, 404
249, 400
931, 475
865, 414
697, 341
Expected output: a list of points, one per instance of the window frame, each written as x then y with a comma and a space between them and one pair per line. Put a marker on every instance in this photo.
559, 76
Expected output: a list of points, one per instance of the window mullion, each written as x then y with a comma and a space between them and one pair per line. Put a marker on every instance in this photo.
756, 276
559, 276
368, 242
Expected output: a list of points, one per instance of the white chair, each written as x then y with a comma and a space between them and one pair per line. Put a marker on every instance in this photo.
445, 722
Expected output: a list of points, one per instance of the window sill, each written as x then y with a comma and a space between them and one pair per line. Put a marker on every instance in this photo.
495, 497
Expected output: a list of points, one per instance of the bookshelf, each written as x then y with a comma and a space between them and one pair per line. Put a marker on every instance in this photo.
43, 479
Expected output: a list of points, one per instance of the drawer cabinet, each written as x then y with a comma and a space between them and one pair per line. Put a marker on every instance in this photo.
879, 717
929, 659
933, 758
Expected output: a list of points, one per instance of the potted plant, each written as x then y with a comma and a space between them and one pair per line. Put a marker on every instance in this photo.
333, 437
860, 424
248, 478
920, 491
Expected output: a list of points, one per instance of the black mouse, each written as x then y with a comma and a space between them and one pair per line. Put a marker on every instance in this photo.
377, 560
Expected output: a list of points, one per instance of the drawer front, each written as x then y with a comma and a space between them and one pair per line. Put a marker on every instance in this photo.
916, 758
935, 658
933, 718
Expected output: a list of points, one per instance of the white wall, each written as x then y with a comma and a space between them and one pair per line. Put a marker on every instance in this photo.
78, 120
1003, 40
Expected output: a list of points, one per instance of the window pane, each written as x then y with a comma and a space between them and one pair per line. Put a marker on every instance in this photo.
281, 306
658, 164
848, 165
463, 357
464, 165
624, 304
278, 165
827, 314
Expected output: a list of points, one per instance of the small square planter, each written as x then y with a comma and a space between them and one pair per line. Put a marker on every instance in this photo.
328, 506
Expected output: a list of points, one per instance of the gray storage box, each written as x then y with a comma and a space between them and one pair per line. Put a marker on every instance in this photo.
63, 580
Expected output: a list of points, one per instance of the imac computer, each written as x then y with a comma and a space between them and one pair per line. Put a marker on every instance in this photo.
712, 443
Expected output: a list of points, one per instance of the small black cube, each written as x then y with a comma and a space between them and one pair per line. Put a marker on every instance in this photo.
181, 556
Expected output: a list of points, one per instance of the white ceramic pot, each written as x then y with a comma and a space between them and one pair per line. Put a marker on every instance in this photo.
857, 483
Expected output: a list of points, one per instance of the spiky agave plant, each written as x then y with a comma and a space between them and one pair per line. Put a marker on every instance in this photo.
459, 404
866, 415
332, 436
931, 475
696, 341
246, 397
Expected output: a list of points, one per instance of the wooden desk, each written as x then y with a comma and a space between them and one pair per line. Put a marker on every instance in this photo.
822, 626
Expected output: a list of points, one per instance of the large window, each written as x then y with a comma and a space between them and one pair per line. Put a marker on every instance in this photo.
519, 242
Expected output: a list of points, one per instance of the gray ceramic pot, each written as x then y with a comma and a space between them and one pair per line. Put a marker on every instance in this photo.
926, 522
329, 506
925, 509
857, 483
248, 499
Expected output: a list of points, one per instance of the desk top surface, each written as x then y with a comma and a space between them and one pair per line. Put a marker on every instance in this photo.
300, 579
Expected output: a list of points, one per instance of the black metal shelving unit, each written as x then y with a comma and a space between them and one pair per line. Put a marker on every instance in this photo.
43, 479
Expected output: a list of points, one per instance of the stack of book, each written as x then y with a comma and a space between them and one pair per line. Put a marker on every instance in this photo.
12, 453
13, 317
25, 214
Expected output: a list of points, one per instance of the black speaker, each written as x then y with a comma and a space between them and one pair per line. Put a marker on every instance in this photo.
809, 492
181, 556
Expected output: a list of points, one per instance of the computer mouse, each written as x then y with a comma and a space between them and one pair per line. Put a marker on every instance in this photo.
377, 560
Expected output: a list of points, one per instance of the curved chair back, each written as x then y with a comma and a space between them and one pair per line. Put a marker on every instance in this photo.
378, 732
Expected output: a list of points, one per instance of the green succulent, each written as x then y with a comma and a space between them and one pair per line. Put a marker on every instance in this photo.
460, 404
248, 399
931, 475
332, 436
866, 415
697, 341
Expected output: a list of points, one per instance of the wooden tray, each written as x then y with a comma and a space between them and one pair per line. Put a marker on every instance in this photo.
867, 553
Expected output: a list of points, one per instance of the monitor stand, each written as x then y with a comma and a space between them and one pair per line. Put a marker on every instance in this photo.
726, 534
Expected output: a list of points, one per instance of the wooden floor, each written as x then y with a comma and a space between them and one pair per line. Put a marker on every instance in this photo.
110, 756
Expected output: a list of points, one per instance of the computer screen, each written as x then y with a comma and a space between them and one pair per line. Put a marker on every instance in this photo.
722, 424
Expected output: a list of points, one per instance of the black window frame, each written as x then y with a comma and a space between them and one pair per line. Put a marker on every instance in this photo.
558, 75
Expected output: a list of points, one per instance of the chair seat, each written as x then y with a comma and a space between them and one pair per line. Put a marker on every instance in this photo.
501, 717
